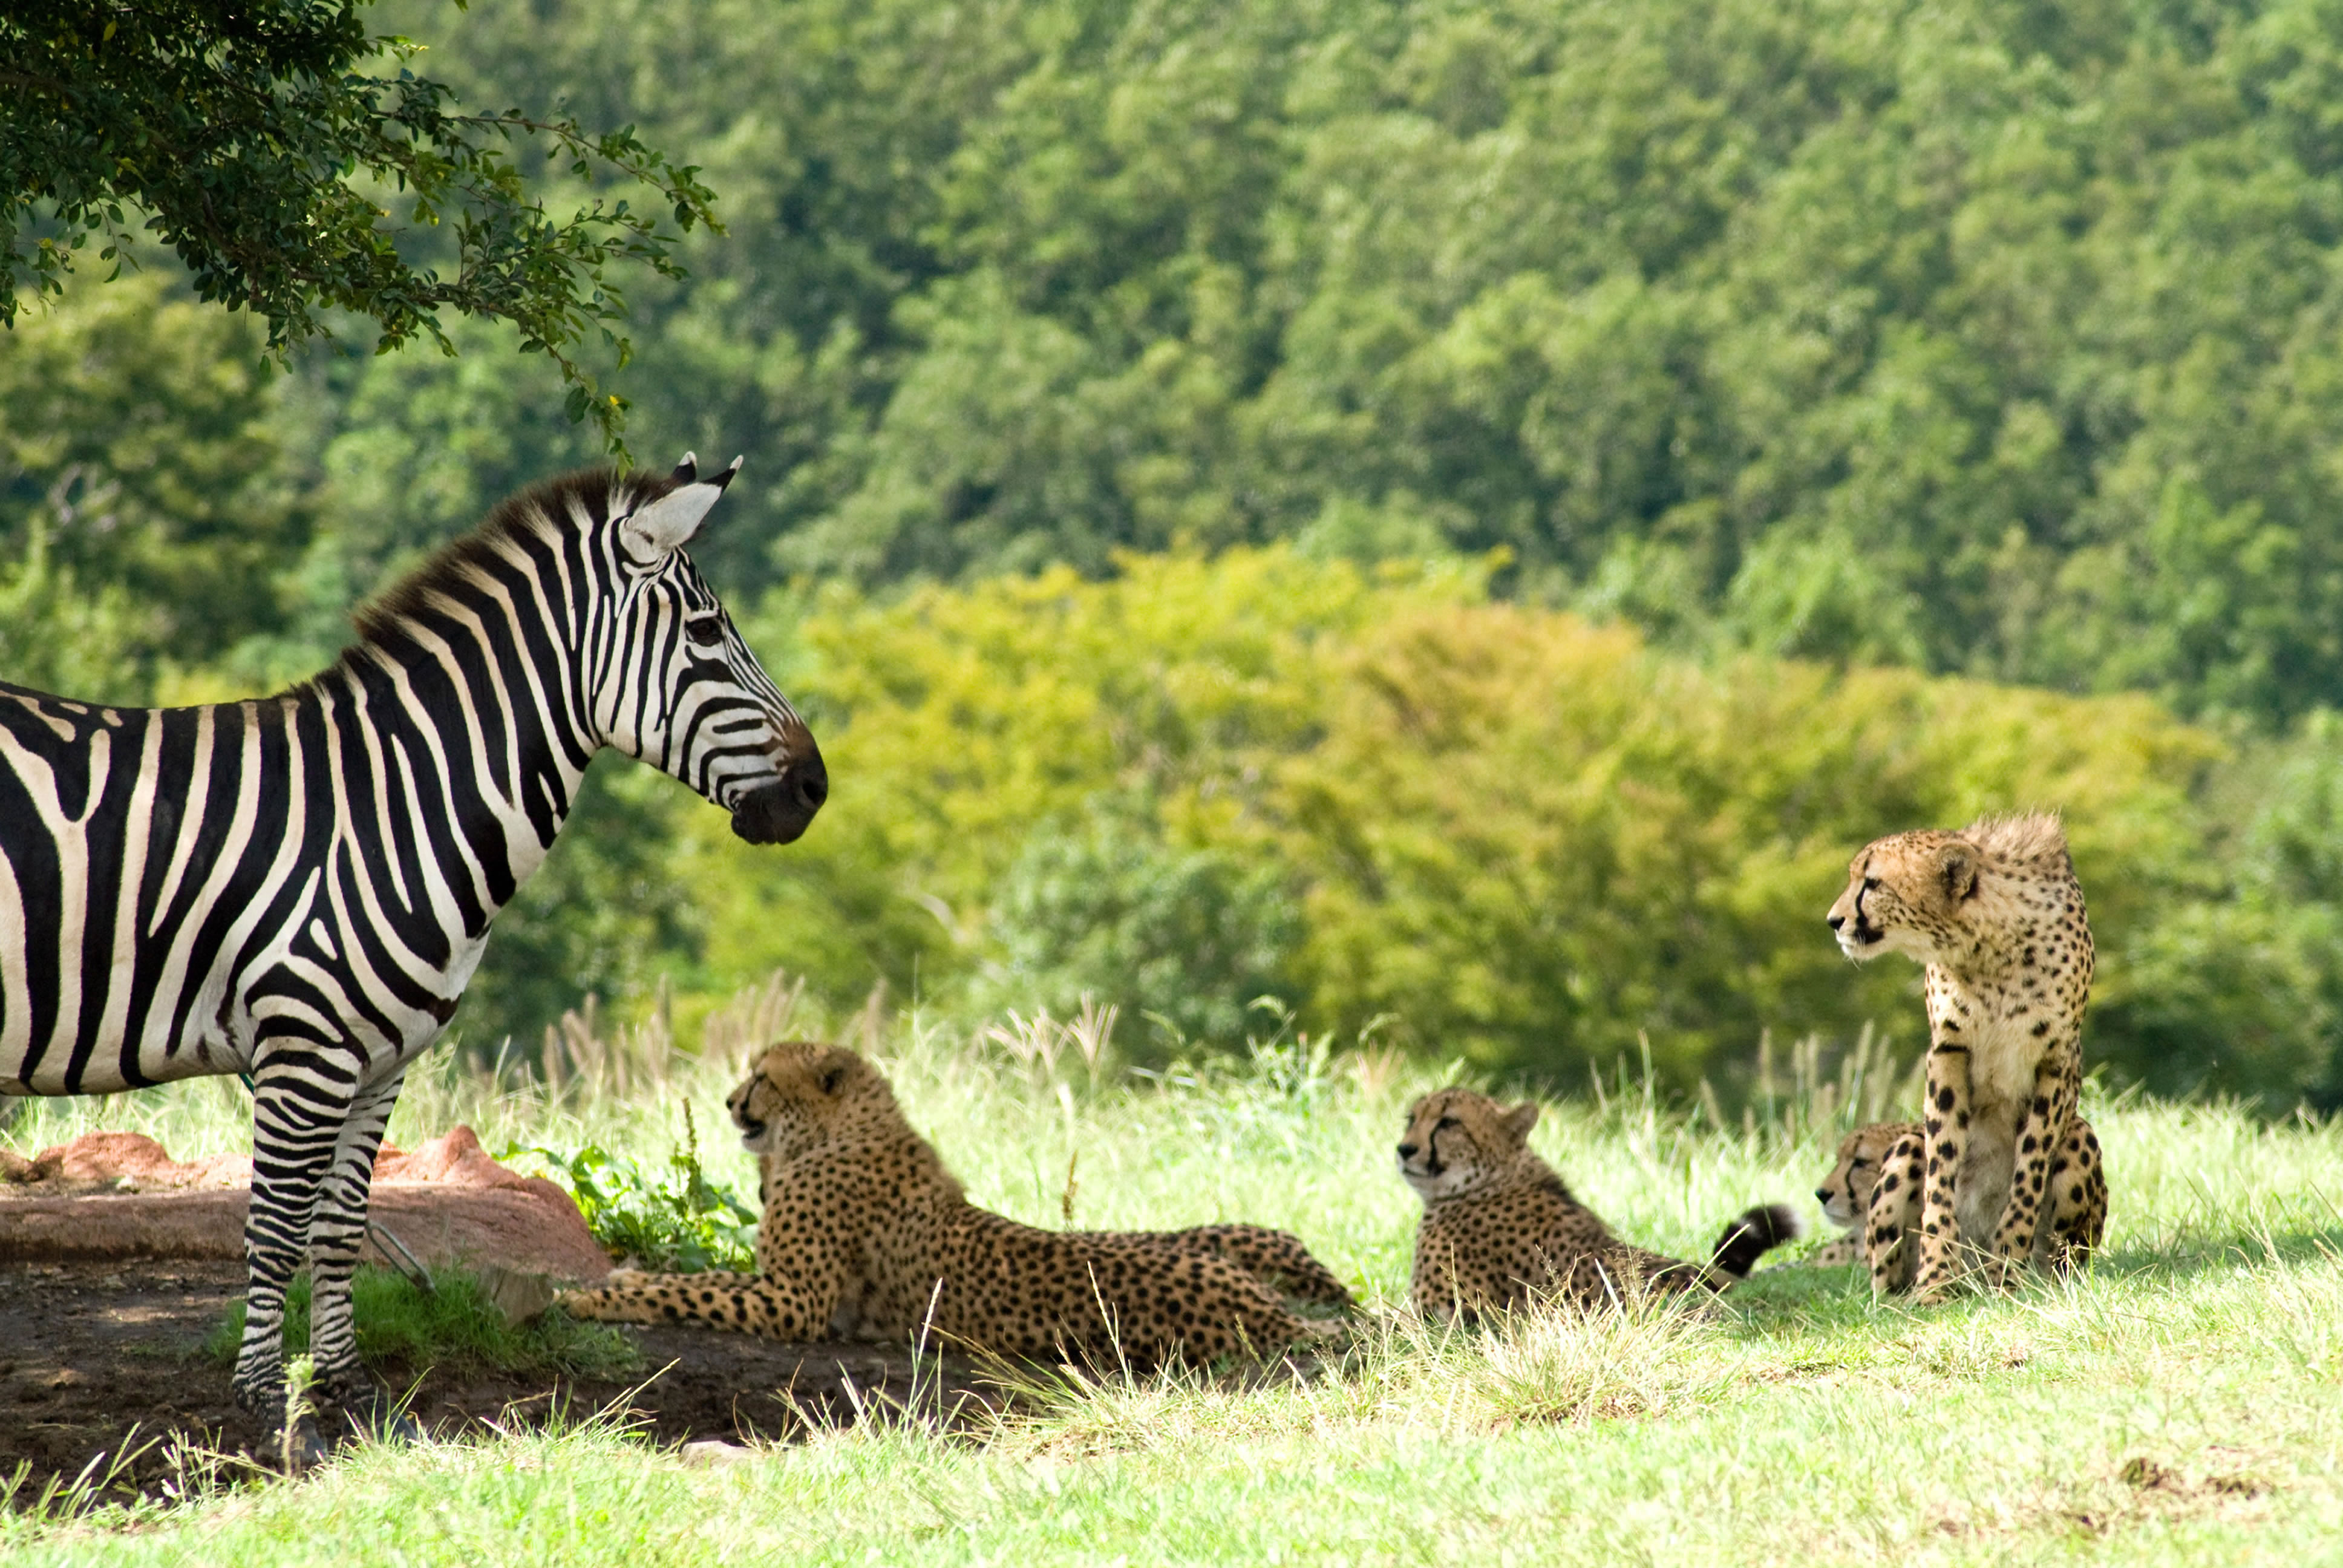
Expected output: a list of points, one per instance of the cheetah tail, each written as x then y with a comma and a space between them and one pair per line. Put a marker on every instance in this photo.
1750, 1237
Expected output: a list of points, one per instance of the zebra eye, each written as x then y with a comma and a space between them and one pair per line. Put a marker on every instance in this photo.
705, 630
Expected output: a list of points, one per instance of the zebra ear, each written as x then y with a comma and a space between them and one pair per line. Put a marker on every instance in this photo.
653, 532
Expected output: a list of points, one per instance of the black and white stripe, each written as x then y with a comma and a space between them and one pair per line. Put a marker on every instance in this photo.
299, 888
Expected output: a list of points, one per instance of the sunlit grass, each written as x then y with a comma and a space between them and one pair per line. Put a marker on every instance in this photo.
2182, 1403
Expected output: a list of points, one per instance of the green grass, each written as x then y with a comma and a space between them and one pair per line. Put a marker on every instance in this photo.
402, 1326
2181, 1403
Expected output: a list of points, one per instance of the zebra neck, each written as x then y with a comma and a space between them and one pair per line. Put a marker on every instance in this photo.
452, 763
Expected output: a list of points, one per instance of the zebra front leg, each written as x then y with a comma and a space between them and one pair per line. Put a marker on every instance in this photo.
337, 1231
1948, 1125
296, 1125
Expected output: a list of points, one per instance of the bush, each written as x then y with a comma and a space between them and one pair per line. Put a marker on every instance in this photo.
672, 1222
1535, 843
1104, 907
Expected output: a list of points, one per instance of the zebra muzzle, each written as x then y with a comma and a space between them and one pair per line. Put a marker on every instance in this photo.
778, 812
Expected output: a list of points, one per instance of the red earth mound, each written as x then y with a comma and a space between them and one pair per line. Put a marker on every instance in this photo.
107, 1197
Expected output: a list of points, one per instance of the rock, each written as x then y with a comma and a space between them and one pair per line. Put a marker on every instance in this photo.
447, 1202
518, 1296
457, 1160
48, 1228
712, 1452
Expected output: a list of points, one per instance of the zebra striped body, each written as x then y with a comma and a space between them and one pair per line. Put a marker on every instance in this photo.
299, 888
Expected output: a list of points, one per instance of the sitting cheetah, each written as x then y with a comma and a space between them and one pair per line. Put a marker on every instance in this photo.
1499, 1229
1995, 914
865, 1236
1873, 1194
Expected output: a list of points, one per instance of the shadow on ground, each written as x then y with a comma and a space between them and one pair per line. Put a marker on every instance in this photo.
1794, 1297
99, 1359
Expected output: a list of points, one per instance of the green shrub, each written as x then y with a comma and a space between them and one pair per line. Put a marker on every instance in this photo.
2237, 986
672, 1221
1535, 842
1105, 907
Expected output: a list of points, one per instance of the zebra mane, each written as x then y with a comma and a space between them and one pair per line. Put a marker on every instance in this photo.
542, 511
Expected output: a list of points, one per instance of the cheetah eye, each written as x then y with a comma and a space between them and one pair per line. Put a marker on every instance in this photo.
1442, 1122
1870, 884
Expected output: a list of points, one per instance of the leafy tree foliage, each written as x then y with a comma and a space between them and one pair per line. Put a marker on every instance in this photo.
1992, 339
145, 486
261, 149
1882, 384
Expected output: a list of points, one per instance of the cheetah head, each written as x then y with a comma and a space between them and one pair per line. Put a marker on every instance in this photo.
1904, 895
1457, 1141
1845, 1192
800, 1093
1946, 898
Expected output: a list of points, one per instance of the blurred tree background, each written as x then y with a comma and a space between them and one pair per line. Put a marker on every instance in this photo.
1458, 514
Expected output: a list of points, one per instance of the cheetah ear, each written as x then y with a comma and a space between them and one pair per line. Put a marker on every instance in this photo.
1521, 1119
837, 1064
1958, 867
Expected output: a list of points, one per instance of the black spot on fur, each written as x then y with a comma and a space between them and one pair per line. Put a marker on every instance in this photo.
1552, 1183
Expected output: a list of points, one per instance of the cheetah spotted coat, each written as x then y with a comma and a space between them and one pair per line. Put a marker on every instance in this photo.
1874, 1192
1501, 1231
1995, 914
866, 1236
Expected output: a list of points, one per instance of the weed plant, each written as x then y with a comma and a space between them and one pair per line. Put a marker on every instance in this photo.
673, 1220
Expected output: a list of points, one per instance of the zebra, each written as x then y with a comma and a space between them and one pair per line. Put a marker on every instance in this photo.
299, 888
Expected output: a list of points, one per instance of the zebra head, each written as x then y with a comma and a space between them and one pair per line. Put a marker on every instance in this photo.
680, 689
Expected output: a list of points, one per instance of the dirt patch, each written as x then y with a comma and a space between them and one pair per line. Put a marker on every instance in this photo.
93, 1349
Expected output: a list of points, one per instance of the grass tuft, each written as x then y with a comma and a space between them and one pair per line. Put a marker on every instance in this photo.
455, 1324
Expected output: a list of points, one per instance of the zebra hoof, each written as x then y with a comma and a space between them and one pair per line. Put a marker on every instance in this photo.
376, 1417
300, 1448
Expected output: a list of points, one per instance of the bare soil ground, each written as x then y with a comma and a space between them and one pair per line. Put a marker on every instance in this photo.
94, 1353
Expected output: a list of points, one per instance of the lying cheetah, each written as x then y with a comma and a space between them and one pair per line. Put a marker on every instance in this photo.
1873, 1195
1995, 914
1499, 1229
865, 1236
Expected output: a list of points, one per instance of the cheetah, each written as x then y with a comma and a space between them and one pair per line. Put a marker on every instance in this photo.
1873, 1195
1500, 1229
865, 1236
1995, 913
